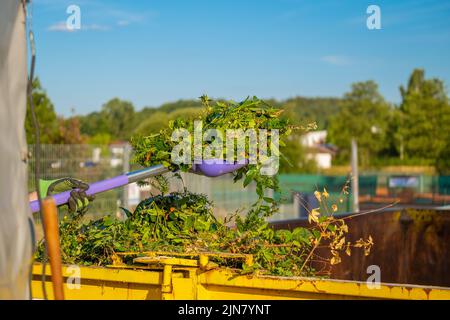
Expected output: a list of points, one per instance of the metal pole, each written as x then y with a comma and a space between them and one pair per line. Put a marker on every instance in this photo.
126, 168
355, 180
297, 204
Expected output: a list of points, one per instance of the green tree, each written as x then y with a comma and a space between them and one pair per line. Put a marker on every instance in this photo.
94, 123
180, 104
363, 115
45, 114
293, 157
423, 129
100, 138
443, 160
303, 110
186, 113
152, 124
158, 120
69, 131
119, 116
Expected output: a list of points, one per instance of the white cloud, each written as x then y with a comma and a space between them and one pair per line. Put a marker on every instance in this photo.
123, 23
62, 27
95, 27
336, 60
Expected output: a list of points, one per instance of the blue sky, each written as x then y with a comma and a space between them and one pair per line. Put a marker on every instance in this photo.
155, 51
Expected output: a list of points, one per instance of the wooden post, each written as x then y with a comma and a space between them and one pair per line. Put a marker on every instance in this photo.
50, 214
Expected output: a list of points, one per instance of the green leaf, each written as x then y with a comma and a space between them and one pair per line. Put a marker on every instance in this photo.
247, 181
270, 200
127, 212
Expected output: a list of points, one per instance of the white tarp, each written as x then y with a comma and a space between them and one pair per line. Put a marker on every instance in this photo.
15, 232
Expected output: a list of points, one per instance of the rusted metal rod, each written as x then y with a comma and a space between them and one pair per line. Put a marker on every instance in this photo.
51, 231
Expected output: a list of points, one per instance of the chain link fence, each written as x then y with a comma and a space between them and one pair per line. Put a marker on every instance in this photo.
92, 163
88, 163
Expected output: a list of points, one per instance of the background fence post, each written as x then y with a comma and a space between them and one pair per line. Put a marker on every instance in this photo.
126, 168
355, 177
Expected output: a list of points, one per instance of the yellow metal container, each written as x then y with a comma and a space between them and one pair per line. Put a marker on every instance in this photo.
167, 277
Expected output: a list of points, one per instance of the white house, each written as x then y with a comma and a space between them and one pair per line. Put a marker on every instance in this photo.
313, 138
117, 150
317, 149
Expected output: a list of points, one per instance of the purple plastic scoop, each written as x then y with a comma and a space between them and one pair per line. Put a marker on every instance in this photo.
217, 167
209, 168
108, 184
94, 188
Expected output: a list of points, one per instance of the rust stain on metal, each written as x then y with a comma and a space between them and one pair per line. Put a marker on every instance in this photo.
412, 250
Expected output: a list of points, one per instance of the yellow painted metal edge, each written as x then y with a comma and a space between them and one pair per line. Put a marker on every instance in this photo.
166, 261
225, 284
107, 274
323, 288
98, 283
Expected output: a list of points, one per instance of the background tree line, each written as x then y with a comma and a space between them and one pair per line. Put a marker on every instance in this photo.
416, 131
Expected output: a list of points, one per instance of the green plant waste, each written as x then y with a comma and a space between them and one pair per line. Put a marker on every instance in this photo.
184, 222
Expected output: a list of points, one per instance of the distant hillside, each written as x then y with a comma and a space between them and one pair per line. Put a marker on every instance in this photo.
300, 110
306, 110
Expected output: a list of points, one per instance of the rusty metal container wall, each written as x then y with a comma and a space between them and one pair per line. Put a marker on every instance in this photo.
411, 246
